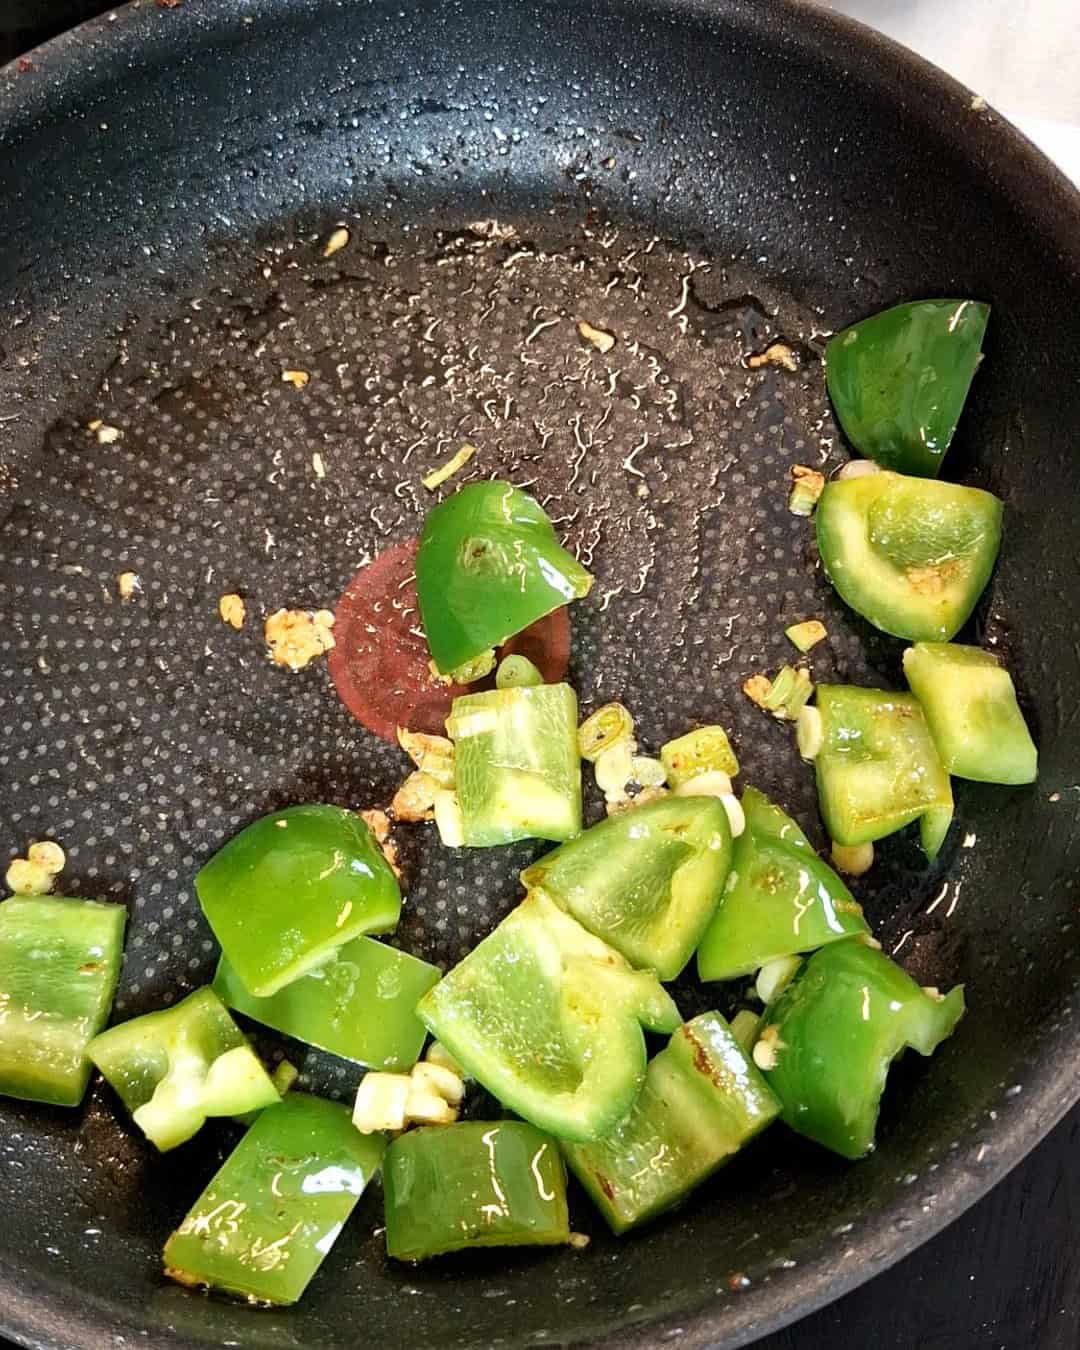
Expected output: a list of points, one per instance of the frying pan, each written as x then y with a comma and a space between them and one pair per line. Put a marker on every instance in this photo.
695, 178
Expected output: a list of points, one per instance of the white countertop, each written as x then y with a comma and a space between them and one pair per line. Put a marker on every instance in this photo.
1022, 56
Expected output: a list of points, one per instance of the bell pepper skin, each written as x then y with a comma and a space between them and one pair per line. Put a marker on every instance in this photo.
262, 1227
59, 964
291, 888
517, 764
970, 705
909, 554
173, 1068
835, 1030
548, 1018
647, 881
878, 768
360, 1005
898, 380
489, 564
781, 898
703, 1099
476, 1184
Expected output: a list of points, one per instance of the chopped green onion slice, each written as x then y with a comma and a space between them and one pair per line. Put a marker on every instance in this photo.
648, 772
809, 485
517, 672
437, 477
705, 750
806, 634
606, 727
786, 694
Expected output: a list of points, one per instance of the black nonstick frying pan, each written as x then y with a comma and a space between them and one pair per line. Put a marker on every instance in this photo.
695, 178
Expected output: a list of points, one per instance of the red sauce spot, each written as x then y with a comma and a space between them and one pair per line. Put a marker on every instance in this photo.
25, 65
379, 662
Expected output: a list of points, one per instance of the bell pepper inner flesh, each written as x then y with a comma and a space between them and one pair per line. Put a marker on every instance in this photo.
517, 764
263, 1226
781, 898
360, 1005
646, 881
899, 379
59, 964
173, 1068
702, 1100
911, 555
970, 704
549, 1019
835, 1030
290, 889
878, 768
475, 1184
489, 564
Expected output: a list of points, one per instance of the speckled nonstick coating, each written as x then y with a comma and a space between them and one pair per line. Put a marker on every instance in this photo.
696, 180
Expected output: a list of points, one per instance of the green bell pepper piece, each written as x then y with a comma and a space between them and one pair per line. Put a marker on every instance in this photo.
780, 899
478, 1184
646, 881
878, 768
173, 1068
702, 1101
360, 1005
262, 1227
548, 1018
970, 704
489, 564
909, 554
289, 890
517, 766
704, 750
898, 380
833, 1033
59, 964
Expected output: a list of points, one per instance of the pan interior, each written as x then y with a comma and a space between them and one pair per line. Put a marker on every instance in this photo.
143, 733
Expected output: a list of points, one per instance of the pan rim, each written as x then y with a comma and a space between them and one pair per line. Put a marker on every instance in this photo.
33, 1312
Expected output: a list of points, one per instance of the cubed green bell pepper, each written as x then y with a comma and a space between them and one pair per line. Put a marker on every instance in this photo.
263, 1226
898, 380
647, 881
360, 1005
517, 765
173, 1068
970, 704
289, 890
489, 564
59, 964
477, 1184
548, 1018
780, 898
702, 1101
832, 1034
909, 554
878, 768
